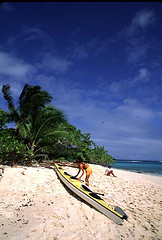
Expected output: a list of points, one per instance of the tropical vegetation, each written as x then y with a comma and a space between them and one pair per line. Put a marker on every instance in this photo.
42, 130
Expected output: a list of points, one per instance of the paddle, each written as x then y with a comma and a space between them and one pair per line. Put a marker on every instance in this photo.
105, 195
89, 190
102, 194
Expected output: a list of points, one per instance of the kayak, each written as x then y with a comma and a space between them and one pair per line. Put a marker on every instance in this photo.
83, 191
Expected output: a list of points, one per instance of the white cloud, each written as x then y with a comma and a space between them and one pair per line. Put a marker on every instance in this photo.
136, 148
13, 66
56, 63
143, 76
142, 20
133, 108
33, 33
77, 104
80, 52
138, 45
90, 48
160, 114
115, 87
136, 51
7, 6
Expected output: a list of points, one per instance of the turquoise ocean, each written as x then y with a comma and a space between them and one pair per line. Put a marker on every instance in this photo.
140, 166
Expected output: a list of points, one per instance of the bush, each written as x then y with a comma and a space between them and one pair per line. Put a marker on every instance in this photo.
12, 149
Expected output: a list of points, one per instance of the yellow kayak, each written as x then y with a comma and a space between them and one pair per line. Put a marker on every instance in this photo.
116, 214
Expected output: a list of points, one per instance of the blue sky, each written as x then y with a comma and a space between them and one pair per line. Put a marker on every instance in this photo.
101, 62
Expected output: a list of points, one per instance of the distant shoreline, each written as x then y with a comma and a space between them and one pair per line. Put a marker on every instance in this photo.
142, 172
137, 160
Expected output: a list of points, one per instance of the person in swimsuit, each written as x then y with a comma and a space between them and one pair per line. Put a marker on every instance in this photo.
109, 171
83, 166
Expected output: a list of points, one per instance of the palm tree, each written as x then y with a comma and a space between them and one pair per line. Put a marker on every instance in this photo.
31, 100
44, 132
34, 121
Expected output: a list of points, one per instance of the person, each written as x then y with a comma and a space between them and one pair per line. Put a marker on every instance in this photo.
109, 171
83, 166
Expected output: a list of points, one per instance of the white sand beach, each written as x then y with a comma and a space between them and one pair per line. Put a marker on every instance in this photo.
35, 205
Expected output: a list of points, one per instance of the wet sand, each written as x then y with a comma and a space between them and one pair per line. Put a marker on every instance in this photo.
35, 205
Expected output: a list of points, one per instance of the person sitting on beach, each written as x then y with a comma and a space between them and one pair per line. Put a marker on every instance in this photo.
109, 171
83, 166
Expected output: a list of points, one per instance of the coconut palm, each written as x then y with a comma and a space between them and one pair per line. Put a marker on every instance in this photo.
31, 100
45, 131
34, 121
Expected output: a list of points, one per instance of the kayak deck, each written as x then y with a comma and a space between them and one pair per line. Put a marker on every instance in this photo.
116, 214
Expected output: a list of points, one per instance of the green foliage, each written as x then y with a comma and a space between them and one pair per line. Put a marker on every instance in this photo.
100, 155
31, 101
35, 122
72, 143
3, 119
12, 148
76, 144
43, 129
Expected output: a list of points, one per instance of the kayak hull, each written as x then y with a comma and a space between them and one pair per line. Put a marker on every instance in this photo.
89, 196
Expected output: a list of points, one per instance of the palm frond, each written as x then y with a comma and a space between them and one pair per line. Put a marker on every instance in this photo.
24, 129
32, 100
23, 96
7, 96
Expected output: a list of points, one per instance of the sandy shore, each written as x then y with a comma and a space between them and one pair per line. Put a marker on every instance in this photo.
35, 205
